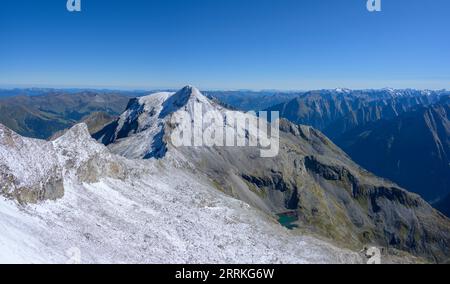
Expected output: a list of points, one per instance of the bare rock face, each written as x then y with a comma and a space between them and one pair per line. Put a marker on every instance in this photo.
96, 168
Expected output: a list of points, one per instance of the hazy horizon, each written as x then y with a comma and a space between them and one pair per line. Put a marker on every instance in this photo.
146, 89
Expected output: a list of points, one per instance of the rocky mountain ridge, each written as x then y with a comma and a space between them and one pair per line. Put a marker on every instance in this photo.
331, 194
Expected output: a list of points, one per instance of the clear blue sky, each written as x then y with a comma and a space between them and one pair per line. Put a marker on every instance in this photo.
225, 44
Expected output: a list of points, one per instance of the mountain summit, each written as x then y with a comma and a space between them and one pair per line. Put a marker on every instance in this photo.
139, 131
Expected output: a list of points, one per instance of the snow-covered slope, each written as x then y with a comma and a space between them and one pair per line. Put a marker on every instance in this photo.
115, 210
156, 219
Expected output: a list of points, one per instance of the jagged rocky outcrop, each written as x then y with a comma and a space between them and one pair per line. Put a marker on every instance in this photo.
331, 195
29, 168
33, 170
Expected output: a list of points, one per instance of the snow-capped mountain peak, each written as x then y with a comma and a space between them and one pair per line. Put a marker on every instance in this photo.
140, 130
185, 97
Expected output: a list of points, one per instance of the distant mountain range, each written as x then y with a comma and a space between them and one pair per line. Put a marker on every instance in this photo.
42, 115
412, 149
46, 91
251, 100
402, 135
336, 111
